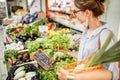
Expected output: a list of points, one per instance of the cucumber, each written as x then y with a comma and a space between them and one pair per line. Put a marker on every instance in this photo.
30, 74
19, 75
21, 79
19, 69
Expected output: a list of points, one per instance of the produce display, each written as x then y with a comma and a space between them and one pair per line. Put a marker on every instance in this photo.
56, 45
25, 37
15, 24
10, 55
22, 33
14, 57
53, 42
15, 46
24, 72
62, 59
13, 32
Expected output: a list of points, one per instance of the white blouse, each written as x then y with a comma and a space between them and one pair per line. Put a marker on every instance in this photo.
89, 45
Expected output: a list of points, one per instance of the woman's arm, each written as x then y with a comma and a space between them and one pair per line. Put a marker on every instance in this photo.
101, 74
73, 54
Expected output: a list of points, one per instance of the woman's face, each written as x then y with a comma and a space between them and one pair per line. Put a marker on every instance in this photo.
81, 15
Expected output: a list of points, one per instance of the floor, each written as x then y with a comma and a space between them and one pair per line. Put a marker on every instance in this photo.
2, 65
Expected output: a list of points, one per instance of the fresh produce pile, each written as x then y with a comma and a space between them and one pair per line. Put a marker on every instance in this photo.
47, 45
10, 55
13, 57
15, 24
25, 37
24, 72
50, 42
20, 33
15, 46
51, 46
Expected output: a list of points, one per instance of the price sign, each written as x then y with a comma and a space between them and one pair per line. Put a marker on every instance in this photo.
42, 59
43, 28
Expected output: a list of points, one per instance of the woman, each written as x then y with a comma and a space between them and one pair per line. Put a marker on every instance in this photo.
88, 11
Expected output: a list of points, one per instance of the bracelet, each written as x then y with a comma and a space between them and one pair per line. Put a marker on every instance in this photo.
68, 53
70, 77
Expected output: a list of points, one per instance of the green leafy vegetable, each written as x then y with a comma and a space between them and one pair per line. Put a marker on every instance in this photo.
32, 46
39, 22
12, 54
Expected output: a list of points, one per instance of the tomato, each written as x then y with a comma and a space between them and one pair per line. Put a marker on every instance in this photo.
18, 30
49, 25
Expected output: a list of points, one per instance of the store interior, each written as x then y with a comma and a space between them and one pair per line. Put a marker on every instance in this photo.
37, 35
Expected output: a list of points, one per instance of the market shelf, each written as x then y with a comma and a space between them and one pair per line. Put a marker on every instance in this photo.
63, 12
73, 24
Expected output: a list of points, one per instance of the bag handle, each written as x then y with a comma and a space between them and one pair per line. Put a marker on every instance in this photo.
99, 43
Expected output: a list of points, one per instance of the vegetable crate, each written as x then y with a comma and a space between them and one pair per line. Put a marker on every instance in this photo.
27, 71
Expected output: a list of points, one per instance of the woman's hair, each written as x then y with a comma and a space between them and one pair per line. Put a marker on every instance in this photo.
96, 6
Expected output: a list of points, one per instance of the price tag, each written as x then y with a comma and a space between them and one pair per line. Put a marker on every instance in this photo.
42, 59
43, 28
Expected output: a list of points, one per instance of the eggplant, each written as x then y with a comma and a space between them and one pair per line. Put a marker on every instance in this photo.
20, 57
26, 57
35, 14
31, 19
19, 62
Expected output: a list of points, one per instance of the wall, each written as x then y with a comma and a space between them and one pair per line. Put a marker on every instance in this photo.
21, 3
36, 6
113, 15
119, 32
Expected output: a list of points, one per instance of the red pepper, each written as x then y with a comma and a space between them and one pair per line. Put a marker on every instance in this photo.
10, 61
18, 30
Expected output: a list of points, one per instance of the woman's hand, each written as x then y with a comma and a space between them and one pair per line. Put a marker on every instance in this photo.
74, 55
62, 73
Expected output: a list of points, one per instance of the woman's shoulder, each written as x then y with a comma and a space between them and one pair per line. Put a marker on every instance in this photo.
105, 30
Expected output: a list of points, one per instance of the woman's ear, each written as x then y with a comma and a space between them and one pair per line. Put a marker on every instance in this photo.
88, 13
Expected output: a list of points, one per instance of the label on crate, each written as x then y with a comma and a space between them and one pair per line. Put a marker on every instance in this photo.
43, 28
42, 59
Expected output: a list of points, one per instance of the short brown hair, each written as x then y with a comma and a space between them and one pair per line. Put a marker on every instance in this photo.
96, 6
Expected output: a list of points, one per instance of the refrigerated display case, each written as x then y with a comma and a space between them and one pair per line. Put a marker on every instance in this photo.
2, 11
